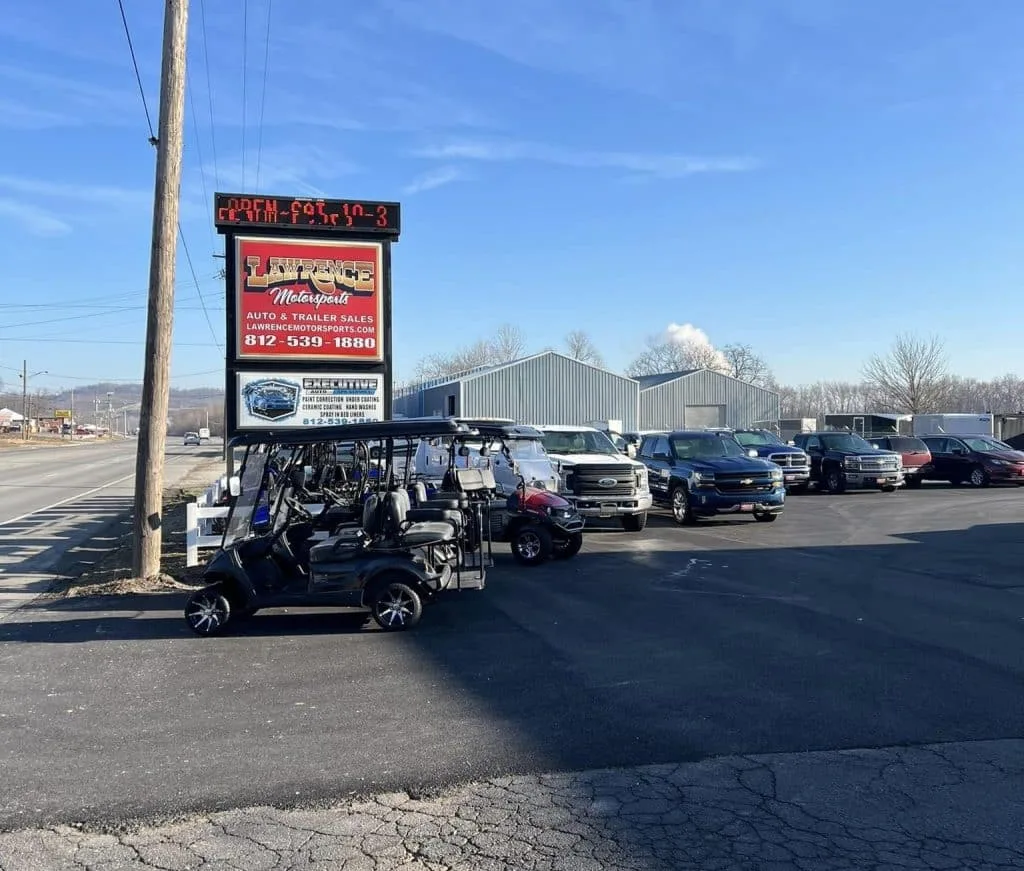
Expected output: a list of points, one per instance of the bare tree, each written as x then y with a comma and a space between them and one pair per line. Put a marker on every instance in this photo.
508, 344
747, 365
911, 378
580, 346
667, 356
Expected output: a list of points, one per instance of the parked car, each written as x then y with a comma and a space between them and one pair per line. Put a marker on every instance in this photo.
795, 464
701, 474
982, 460
843, 461
917, 459
192, 438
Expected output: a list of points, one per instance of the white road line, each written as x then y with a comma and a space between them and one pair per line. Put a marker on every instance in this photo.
69, 499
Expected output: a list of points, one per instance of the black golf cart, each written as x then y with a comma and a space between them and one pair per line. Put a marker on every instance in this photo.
382, 554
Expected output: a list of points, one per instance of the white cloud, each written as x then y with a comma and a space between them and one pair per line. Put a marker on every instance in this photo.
434, 179
32, 219
281, 168
693, 337
663, 166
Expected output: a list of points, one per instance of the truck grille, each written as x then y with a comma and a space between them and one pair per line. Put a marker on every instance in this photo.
758, 482
789, 461
877, 464
583, 481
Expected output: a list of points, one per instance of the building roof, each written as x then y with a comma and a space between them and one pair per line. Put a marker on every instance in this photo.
478, 371
8, 414
662, 378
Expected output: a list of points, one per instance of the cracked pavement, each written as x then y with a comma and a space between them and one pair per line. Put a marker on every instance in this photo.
895, 808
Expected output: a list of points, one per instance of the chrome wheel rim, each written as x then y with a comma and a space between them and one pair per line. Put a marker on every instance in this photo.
977, 477
679, 507
395, 607
528, 545
207, 613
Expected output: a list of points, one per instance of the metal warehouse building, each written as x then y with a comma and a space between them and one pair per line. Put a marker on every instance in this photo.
546, 388
702, 397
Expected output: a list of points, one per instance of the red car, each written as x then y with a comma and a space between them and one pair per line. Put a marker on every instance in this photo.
917, 458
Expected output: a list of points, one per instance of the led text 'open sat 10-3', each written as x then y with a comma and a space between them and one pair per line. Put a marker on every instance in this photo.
326, 215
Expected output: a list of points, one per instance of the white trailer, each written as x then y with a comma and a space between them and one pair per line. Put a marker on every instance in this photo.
954, 424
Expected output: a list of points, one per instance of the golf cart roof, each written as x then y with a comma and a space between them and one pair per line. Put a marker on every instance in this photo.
498, 428
354, 432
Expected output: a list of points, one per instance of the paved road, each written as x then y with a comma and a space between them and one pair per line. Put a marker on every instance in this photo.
52, 499
859, 621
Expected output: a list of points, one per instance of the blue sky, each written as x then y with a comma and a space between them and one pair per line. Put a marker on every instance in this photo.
807, 176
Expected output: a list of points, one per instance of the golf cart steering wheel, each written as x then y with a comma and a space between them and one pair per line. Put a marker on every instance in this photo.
298, 507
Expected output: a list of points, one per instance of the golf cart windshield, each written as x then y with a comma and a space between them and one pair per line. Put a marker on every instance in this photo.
253, 496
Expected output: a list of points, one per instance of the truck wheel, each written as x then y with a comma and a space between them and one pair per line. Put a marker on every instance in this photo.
396, 606
531, 544
766, 517
979, 477
834, 480
682, 513
913, 482
566, 548
634, 522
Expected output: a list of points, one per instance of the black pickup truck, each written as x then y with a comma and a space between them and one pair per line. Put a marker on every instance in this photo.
843, 461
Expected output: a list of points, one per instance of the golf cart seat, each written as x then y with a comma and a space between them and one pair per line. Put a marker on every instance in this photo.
347, 542
475, 483
450, 502
418, 527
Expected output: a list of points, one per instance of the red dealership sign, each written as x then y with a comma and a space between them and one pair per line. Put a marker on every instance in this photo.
308, 300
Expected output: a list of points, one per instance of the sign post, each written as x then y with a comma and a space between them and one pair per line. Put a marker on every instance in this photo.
308, 310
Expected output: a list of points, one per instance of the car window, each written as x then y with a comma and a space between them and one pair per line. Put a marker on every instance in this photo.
757, 439
906, 445
661, 446
647, 447
936, 445
978, 443
698, 447
812, 443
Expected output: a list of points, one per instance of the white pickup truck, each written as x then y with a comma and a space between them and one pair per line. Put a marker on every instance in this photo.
596, 476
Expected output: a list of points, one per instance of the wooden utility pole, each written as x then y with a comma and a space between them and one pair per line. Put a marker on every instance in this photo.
24, 399
149, 462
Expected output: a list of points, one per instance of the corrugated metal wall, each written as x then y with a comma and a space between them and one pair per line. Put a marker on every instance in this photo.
426, 403
745, 405
552, 389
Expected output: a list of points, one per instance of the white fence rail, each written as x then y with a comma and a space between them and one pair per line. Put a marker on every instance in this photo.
199, 517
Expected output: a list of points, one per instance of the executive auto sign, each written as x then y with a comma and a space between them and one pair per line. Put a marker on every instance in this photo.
311, 299
294, 400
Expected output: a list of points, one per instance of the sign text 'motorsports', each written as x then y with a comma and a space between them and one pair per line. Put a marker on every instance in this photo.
313, 300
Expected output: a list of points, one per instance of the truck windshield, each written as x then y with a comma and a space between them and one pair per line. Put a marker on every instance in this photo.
578, 442
757, 439
845, 441
705, 447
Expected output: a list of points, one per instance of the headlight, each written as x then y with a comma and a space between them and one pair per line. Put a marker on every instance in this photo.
776, 474
850, 462
701, 478
995, 462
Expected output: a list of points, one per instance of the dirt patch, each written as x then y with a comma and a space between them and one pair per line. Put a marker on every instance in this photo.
103, 567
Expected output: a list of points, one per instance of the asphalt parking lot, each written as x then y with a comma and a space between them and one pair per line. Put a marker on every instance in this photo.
855, 621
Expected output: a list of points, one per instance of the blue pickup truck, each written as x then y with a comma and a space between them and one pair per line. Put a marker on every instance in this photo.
794, 462
701, 474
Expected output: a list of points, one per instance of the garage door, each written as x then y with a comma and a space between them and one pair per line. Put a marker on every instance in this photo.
705, 415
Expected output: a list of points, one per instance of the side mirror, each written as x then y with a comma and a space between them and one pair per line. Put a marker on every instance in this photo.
751, 453
791, 443
235, 485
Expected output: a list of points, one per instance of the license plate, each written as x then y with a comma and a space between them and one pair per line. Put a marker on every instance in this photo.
747, 506
790, 477
607, 511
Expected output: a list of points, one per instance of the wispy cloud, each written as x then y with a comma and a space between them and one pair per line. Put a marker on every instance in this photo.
664, 166
32, 219
434, 179
46, 101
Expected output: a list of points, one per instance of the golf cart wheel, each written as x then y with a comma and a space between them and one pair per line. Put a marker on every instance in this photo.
208, 611
979, 477
566, 548
396, 606
531, 545
634, 522
766, 517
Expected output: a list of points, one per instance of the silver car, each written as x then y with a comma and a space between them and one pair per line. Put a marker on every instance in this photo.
192, 438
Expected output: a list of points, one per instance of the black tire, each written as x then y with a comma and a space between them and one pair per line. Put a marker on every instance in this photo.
913, 482
567, 548
682, 512
766, 517
395, 605
833, 480
634, 522
208, 611
889, 488
531, 545
979, 477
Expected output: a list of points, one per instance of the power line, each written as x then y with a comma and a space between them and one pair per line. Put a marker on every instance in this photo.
202, 300
245, 58
138, 77
263, 97
209, 94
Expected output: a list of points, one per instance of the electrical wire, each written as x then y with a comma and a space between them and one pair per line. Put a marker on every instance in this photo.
263, 97
195, 279
245, 58
138, 77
